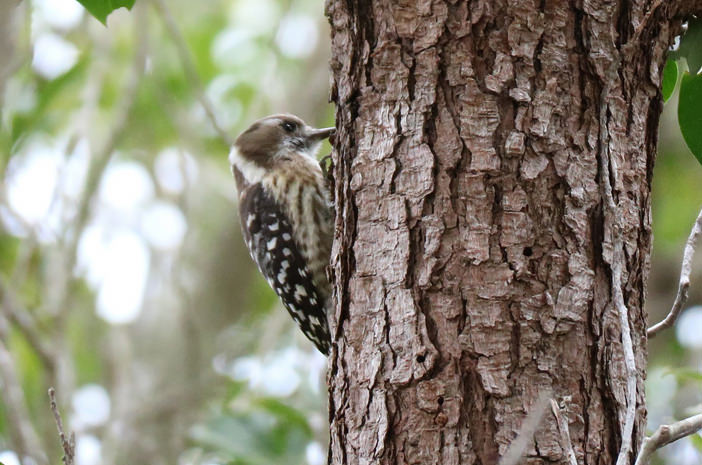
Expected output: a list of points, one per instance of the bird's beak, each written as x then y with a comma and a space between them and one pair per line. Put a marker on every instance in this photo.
320, 134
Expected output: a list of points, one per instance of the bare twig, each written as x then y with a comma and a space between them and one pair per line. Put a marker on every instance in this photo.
564, 430
27, 325
190, 70
684, 285
616, 259
68, 443
665, 434
518, 447
21, 317
20, 425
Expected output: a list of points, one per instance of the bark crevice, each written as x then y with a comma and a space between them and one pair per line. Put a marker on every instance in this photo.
478, 258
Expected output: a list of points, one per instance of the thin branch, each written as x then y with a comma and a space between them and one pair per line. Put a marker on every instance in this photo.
518, 447
665, 434
26, 323
19, 422
615, 260
15, 313
68, 443
684, 285
190, 70
564, 430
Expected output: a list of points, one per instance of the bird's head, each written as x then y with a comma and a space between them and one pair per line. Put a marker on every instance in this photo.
273, 139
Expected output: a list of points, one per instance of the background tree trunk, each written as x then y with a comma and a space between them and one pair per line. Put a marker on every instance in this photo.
493, 167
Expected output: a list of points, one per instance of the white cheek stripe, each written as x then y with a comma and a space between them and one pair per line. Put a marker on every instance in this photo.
252, 173
312, 152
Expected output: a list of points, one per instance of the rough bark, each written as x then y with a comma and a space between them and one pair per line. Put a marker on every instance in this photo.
493, 166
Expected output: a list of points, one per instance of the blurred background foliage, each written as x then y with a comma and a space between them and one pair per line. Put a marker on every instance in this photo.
124, 281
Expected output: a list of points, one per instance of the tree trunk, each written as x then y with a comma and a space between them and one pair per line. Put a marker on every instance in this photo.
492, 180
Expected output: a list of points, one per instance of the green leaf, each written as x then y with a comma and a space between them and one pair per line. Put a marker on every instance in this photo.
696, 441
691, 45
102, 8
690, 113
47, 112
685, 374
287, 414
670, 78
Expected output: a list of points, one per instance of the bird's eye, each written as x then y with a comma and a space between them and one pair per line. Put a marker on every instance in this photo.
289, 126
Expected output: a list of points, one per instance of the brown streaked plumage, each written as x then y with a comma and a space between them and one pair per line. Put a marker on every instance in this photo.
286, 215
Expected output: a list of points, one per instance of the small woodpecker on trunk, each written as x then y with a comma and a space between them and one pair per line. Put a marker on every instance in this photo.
287, 216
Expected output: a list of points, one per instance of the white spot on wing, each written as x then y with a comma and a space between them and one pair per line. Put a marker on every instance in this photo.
300, 292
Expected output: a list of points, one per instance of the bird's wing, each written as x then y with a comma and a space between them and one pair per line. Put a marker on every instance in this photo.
269, 238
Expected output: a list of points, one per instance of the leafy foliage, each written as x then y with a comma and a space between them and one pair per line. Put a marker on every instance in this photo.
101, 9
696, 441
670, 78
255, 431
203, 299
690, 105
690, 112
691, 45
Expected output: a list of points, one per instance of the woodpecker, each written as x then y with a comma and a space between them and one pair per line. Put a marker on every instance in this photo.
287, 216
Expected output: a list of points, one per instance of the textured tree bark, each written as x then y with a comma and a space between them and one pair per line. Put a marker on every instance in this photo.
492, 180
